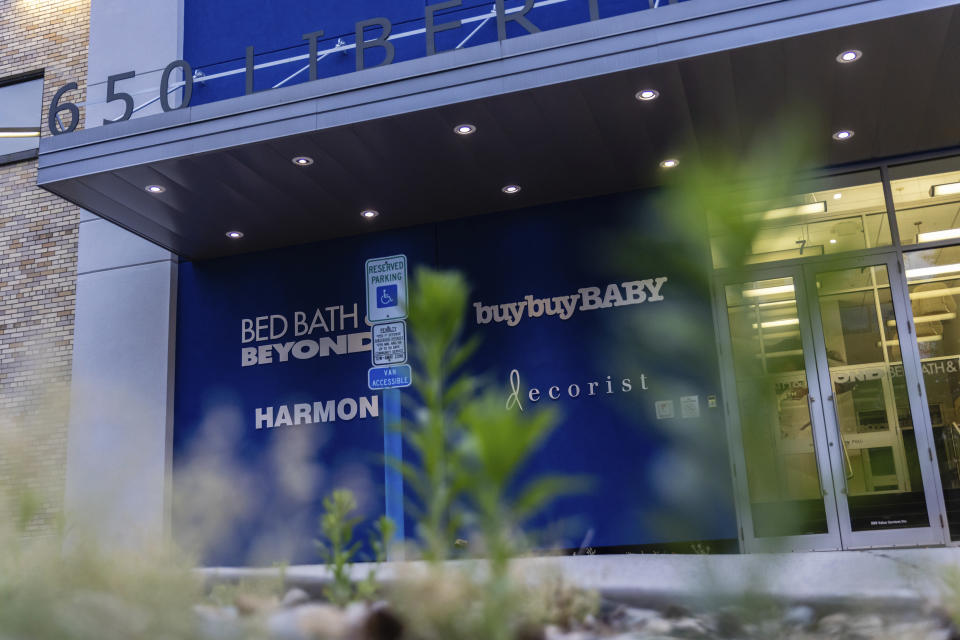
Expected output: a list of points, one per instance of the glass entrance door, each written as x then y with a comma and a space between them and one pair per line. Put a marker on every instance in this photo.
785, 497
869, 374
826, 447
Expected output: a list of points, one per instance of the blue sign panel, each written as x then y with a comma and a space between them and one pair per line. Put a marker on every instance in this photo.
217, 33
387, 296
395, 377
597, 308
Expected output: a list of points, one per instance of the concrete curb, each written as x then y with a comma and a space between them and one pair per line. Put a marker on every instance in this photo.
875, 579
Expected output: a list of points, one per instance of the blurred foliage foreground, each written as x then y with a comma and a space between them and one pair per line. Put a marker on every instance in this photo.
463, 476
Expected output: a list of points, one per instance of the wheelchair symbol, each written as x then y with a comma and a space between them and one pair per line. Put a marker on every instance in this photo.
387, 296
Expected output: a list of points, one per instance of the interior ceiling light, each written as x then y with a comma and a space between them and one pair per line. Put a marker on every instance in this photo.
464, 129
154, 188
933, 317
234, 235
670, 163
302, 161
369, 213
837, 196
933, 236
798, 210
20, 132
896, 343
833, 241
511, 189
848, 56
949, 189
646, 95
843, 134
768, 291
927, 272
786, 322
934, 293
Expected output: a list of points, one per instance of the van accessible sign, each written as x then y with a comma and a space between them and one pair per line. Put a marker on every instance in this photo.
389, 377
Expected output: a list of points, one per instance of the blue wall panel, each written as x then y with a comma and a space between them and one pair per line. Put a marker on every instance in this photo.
612, 434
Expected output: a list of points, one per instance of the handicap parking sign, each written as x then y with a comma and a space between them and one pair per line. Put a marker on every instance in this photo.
387, 296
386, 288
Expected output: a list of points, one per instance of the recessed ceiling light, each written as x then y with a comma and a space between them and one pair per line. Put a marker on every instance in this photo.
669, 163
302, 161
234, 235
464, 129
837, 196
369, 213
511, 188
833, 241
647, 94
154, 188
843, 134
850, 55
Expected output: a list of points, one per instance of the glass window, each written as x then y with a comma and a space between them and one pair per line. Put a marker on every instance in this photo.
827, 215
20, 114
933, 277
926, 196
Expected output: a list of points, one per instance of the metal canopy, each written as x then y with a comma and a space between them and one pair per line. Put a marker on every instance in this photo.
555, 113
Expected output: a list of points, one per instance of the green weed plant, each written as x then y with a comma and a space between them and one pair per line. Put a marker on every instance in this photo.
339, 548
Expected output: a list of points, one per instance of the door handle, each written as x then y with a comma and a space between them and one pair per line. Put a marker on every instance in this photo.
847, 464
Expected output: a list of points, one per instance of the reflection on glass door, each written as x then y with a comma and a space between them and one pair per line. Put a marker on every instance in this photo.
933, 277
881, 471
783, 475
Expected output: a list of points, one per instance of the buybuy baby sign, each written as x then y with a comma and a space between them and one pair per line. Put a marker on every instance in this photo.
585, 299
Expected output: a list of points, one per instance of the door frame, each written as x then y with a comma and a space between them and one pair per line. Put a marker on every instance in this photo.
826, 433
749, 541
935, 533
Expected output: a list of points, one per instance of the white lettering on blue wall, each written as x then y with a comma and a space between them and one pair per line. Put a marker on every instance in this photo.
586, 299
517, 398
308, 327
306, 413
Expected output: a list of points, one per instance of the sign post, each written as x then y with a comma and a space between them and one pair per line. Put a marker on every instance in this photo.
386, 296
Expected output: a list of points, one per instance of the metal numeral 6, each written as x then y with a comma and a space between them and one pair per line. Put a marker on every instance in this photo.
53, 119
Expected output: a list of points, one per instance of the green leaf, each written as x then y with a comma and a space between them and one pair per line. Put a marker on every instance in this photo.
539, 493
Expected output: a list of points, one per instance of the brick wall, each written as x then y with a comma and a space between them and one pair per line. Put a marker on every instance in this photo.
38, 266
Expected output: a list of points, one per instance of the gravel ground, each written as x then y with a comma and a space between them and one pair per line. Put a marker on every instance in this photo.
297, 617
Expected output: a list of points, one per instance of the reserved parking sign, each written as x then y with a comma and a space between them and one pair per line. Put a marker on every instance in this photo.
386, 288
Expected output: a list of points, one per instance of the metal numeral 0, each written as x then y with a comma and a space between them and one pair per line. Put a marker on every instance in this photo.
53, 119
187, 85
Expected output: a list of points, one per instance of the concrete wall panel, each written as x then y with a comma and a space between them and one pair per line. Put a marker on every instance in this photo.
119, 428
